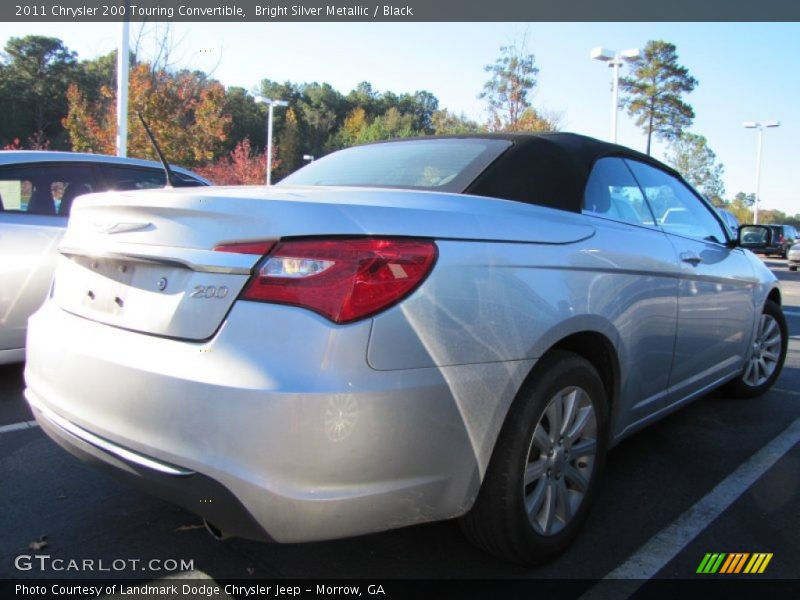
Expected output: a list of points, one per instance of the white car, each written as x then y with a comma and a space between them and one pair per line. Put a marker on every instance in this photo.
37, 190
793, 257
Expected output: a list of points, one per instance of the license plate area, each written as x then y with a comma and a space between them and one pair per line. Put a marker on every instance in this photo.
106, 283
151, 297
129, 293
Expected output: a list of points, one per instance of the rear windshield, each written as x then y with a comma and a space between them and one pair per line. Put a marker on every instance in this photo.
448, 165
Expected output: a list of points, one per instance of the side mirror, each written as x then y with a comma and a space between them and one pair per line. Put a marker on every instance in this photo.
754, 237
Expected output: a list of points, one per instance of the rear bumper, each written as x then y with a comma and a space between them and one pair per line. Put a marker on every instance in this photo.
15, 355
193, 491
279, 418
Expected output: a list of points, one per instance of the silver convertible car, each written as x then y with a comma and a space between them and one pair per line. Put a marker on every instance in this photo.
398, 333
37, 189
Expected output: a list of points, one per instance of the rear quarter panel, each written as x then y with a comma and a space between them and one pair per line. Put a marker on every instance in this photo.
28, 252
495, 302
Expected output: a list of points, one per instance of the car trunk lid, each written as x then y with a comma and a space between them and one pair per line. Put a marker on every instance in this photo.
150, 261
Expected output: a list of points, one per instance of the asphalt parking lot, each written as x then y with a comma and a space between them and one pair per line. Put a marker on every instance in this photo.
686, 486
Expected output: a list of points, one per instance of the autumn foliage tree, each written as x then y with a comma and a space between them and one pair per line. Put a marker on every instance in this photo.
359, 128
692, 158
508, 94
184, 112
513, 80
91, 128
536, 121
291, 144
242, 166
445, 122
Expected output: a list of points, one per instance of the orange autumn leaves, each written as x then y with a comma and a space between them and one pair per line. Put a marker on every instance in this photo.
184, 112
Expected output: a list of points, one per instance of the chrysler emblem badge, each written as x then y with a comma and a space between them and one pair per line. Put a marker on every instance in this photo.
162, 284
120, 227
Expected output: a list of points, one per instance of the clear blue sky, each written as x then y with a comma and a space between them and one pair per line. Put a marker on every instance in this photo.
747, 71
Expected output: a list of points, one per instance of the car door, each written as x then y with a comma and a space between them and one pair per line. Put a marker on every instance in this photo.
715, 298
35, 202
636, 287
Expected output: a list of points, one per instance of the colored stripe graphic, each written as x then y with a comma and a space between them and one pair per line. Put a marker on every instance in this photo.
703, 563
711, 563
724, 563
741, 562
765, 563
729, 562
718, 563
758, 563
734, 562
753, 564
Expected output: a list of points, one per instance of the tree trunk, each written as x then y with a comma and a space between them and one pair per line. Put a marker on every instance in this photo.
650, 116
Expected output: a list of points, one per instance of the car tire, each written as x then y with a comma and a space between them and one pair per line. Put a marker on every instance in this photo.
544, 462
764, 364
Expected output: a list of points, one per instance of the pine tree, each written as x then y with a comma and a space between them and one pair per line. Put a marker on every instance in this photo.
654, 92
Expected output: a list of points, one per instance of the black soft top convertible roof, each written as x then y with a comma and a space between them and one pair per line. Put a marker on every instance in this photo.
548, 169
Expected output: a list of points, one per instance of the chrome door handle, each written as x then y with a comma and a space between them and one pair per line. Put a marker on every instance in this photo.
691, 258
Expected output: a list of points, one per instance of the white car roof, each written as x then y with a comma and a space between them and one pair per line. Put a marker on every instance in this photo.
17, 157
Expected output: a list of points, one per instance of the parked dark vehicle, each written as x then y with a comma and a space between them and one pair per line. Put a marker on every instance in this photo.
783, 237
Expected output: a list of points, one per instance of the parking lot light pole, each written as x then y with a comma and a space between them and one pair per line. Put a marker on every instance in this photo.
760, 125
270, 103
123, 58
615, 60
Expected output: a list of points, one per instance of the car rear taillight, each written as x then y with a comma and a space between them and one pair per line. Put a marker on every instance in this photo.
343, 279
245, 247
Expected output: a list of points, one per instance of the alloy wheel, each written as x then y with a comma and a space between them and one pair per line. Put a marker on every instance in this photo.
766, 352
560, 460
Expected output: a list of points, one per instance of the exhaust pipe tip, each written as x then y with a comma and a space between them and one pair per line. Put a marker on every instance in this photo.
214, 531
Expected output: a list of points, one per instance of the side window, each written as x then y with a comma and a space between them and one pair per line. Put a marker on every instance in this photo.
612, 192
44, 190
127, 178
182, 180
676, 209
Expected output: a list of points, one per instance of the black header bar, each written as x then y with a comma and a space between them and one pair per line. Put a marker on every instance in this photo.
27, 11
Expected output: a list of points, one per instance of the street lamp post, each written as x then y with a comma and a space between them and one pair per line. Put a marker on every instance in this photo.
123, 58
615, 60
760, 125
270, 103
